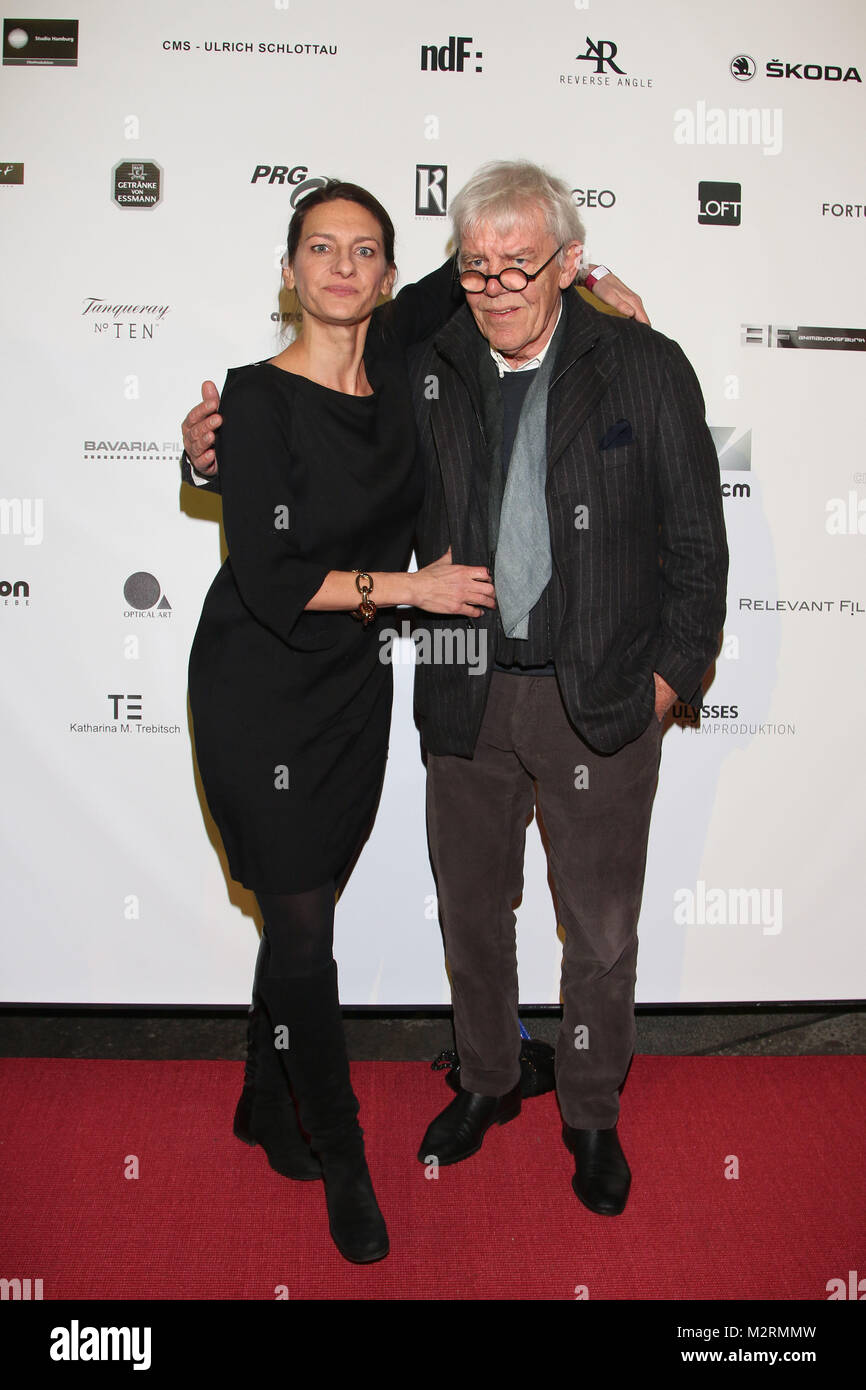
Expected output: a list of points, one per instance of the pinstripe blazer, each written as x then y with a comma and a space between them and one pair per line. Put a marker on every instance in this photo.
636, 525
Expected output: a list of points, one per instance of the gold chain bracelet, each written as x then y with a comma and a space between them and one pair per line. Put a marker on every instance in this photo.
366, 610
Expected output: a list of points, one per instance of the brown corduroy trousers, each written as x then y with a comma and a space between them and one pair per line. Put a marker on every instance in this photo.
595, 813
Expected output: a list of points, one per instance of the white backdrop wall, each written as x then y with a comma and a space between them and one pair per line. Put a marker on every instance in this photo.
124, 287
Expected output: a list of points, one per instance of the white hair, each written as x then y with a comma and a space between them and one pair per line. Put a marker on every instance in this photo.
501, 191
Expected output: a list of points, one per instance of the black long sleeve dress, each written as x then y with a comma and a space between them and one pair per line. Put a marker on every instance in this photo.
291, 709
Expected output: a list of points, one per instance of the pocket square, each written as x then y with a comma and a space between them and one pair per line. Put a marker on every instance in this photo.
619, 433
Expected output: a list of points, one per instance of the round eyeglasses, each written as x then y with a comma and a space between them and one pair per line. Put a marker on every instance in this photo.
511, 278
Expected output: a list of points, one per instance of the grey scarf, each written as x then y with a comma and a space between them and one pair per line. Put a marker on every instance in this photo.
523, 562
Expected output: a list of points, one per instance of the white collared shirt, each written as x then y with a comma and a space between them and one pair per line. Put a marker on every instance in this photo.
503, 366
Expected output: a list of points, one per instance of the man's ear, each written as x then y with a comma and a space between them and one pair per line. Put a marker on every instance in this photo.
573, 256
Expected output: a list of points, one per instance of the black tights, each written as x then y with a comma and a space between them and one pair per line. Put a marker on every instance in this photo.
299, 928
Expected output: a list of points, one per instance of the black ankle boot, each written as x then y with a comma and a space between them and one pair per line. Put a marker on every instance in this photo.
602, 1177
266, 1113
318, 1064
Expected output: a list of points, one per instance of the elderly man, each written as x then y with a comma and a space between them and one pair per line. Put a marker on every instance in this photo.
568, 451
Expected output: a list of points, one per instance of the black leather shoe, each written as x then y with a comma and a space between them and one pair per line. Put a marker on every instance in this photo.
602, 1177
459, 1130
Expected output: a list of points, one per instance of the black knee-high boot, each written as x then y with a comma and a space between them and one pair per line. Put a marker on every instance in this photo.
318, 1064
266, 1112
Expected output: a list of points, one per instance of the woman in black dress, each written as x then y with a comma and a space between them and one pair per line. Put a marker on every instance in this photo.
291, 703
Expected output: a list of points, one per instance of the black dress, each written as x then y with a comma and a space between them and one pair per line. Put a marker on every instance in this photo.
292, 709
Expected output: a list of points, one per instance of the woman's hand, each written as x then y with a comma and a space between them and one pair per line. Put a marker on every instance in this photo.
446, 588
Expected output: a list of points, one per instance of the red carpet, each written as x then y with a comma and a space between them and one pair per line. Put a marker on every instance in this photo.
208, 1219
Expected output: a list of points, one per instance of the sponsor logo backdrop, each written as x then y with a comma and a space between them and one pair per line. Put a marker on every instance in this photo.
164, 146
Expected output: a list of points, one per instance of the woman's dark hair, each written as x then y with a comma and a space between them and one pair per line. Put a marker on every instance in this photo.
333, 190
